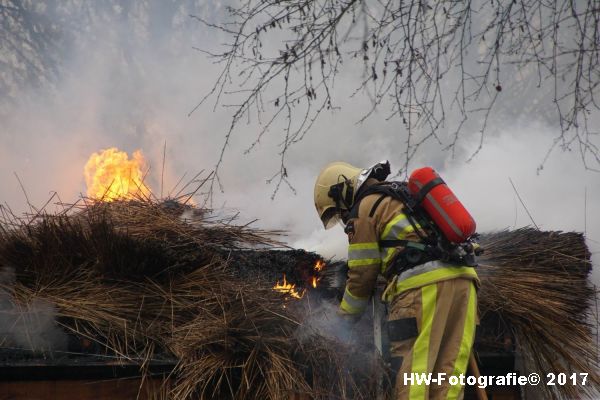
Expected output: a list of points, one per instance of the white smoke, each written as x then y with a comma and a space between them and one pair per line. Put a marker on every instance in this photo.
131, 81
325, 321
27, 326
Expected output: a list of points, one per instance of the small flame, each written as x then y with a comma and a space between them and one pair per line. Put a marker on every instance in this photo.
319, 265
313, 281
288, 288
111, 175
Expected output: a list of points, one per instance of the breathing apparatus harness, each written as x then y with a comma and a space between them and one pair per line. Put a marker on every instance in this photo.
433, 245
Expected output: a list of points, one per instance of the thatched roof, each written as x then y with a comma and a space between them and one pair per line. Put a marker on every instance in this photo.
151, 280
537, 284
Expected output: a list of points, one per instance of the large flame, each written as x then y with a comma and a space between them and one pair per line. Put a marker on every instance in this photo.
111, 175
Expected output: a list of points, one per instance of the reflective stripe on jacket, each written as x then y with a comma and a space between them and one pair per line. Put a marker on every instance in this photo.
366, 259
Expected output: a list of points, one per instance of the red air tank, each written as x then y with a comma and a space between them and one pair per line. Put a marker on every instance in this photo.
441, 204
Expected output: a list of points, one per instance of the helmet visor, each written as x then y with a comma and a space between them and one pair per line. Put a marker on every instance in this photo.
330, 218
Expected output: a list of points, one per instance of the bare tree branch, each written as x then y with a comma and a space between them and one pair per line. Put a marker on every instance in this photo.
419, 59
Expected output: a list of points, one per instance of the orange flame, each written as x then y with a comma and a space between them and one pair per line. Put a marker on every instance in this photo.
313, 281
111, 175
288, 288
319, 265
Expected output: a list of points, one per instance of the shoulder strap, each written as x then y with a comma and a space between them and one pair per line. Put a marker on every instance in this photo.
381, 188
376, 204
400, 192
396, 190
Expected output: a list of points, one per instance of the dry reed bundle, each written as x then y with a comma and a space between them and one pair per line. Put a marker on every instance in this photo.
123, 239
248, 325
145, 284
536, 282
150, 280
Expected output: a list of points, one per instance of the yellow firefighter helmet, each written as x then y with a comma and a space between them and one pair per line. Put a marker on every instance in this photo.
335, 188
337, 185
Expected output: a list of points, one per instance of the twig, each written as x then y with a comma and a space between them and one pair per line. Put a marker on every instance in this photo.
523, 204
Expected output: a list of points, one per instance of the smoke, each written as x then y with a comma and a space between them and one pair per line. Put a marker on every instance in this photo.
561, 196
27, 326
130, 76
326, 321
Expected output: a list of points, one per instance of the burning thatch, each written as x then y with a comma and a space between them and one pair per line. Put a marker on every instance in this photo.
150, 280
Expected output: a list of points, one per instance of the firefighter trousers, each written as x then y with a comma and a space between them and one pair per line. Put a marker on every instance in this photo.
431, 330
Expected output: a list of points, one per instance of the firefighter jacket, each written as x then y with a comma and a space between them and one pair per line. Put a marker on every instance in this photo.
366, 259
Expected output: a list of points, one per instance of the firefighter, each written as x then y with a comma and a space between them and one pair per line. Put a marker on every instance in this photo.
431, 305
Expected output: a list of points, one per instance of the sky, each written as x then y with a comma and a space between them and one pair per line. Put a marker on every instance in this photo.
132, 82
